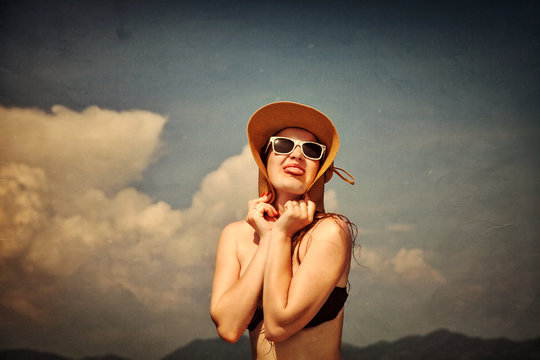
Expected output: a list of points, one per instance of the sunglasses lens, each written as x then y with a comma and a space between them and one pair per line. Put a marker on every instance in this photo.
283, 146
312, 150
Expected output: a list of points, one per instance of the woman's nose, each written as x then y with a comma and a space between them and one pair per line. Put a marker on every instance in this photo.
297, 152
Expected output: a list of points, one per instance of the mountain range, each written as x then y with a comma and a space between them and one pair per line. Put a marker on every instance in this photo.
438, 345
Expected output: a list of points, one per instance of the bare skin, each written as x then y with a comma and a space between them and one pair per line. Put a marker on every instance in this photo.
254, 261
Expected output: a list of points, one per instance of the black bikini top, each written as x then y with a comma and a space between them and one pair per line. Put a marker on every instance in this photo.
328, 311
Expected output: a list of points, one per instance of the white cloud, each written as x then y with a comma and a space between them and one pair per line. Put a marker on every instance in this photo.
410, 265
407, 265
224, 193
67, 217
69, 224
21, 208
94, 148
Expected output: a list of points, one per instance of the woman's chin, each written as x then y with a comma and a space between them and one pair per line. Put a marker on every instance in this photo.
291, 190
290, 185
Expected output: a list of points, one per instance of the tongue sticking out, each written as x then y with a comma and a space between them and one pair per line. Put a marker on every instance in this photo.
293, 170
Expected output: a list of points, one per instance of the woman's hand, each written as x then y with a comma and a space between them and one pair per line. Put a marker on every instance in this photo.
261, 215
297, 215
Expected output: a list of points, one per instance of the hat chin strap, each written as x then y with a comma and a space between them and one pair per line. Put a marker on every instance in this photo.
339, 171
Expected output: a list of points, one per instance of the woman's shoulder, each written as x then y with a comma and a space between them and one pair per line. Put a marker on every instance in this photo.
332, 227
237, 228
238, 235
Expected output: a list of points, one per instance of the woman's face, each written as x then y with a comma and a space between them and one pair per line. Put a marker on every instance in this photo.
292, 173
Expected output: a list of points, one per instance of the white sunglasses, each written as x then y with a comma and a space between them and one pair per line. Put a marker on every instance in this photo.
284, 146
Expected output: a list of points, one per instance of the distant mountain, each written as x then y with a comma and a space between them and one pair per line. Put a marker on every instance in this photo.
445, 345
438, 345
104, 357
27, 354
24, 354
213, 349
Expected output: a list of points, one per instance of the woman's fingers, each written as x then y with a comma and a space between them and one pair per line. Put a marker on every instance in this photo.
303, 207
261, 214
263, 208
259, 210
254, 203
301, 210
295, 216
263, 199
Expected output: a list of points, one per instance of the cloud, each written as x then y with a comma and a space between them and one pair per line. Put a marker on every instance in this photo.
70, 224
406, 266
410, 264
56, 170
22, 206
81, 150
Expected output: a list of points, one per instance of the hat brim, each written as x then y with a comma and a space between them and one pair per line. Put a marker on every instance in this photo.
272, 118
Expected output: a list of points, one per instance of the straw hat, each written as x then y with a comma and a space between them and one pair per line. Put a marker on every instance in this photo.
272, 118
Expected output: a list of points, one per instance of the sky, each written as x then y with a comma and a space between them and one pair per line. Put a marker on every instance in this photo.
123, 155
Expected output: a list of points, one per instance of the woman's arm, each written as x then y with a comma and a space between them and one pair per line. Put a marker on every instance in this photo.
290, 302
235, 296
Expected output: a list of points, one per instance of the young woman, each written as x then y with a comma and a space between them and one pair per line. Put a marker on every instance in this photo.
282, 273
